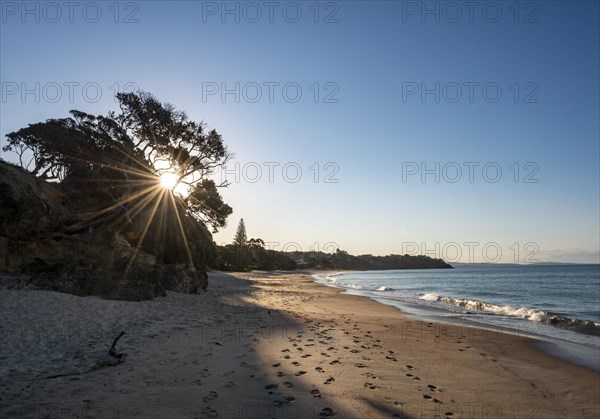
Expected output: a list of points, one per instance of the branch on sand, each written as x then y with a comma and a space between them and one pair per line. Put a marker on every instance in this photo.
115, 359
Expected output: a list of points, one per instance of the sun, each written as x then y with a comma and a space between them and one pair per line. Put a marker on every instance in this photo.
170, 181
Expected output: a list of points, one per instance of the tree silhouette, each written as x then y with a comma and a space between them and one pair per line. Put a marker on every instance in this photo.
124, 152
241, 239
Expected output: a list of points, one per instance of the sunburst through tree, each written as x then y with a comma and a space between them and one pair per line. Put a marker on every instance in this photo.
145, 170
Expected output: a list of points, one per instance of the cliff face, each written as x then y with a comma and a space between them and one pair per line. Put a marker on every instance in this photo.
35, 241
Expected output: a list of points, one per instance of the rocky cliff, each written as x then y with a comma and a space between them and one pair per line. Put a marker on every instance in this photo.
37, 241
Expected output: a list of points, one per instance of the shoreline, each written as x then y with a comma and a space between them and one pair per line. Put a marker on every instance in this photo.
575, 353
265, 344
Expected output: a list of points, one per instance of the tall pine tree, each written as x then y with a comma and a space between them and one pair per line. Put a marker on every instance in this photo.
241, 239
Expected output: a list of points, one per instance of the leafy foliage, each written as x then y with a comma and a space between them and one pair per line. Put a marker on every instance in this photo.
233, 258
125, 151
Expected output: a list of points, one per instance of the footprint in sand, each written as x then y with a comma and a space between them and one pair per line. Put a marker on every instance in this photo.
326, 412
270, 386
306, 356
299, 373
370, 385
319, 369
209, 412
295, 363
280, 374
211, 396
316, 394
277, 364
286, 400
431, 399
288, 384
329, 380
360, 365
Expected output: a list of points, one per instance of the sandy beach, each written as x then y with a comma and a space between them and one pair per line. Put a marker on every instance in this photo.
266, 345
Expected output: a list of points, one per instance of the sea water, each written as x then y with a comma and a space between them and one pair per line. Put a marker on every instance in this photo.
556, 303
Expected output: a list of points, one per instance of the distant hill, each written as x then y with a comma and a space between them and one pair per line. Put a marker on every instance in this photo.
345, 261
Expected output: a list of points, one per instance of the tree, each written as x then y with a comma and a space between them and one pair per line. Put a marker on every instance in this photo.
256, 243
241, 258
241, 239
125, 153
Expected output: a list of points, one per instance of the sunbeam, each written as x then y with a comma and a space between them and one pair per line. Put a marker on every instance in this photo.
143, 234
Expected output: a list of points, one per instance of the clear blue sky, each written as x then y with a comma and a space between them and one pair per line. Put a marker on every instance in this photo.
372, 61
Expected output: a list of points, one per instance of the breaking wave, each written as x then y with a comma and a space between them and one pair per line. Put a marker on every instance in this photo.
582, 326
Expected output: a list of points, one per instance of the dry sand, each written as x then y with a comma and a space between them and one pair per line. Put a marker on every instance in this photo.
263, 345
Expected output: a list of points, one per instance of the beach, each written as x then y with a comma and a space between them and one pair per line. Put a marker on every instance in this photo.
270, 345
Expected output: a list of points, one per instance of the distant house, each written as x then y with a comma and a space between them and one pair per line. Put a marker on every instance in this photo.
301, 262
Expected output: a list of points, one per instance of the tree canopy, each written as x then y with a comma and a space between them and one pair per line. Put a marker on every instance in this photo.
129, 150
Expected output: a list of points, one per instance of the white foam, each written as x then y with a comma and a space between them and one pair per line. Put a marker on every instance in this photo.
507, 310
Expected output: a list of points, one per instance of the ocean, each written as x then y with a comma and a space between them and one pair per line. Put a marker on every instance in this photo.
558, 304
